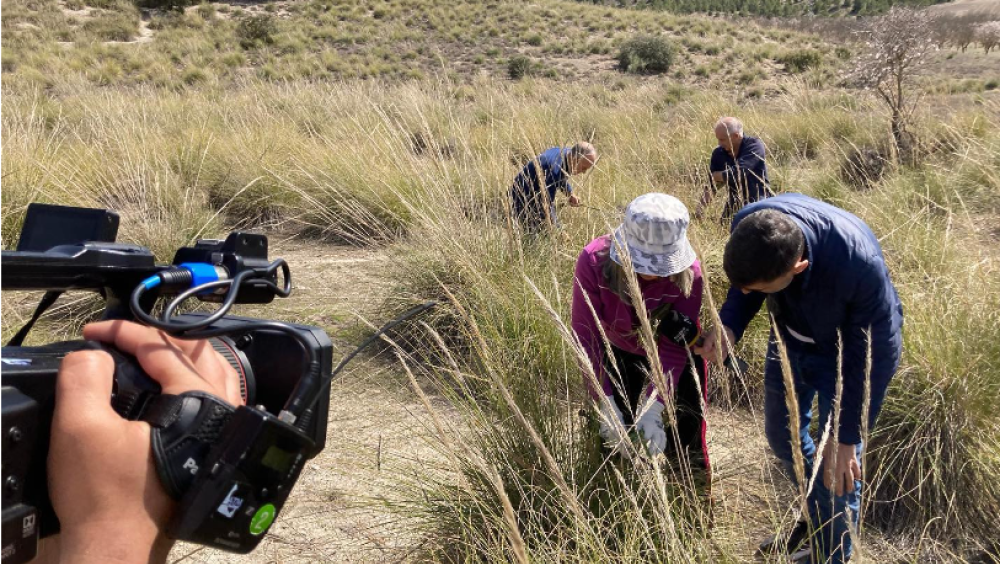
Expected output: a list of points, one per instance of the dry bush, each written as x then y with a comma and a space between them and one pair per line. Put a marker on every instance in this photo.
988, 35
863, 167
894, 48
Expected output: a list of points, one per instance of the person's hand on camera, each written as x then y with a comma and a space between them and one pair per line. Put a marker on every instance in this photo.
574, 201
102, 479
714, 348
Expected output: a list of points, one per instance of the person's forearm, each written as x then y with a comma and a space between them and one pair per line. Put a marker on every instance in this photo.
125, 545
739, 309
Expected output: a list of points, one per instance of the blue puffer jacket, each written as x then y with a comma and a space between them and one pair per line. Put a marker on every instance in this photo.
846, 287
526, 192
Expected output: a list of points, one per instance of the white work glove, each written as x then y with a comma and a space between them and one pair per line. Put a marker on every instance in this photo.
650, 426
612, 422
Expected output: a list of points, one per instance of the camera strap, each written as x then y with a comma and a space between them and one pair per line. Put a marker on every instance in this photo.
185, 428
46, 302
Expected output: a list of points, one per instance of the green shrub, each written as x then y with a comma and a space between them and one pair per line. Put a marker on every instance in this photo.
194, 75
749, 76
800, 60
206, 11
648, 54
112, 27
518, 67
254, 31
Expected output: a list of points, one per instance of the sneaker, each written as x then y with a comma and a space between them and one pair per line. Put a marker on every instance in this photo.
794, 543
802, 554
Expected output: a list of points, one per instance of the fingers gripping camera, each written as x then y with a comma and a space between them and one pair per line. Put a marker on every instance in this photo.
185, 428
230, 467
208, 453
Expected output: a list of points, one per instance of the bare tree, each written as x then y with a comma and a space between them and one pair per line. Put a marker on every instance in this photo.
988, 35
895, 47
960, 30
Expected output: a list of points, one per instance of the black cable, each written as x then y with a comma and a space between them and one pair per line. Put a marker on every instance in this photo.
224, 307
306, 391
165, 323
403, 317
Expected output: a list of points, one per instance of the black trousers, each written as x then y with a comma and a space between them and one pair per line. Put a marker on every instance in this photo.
691, 422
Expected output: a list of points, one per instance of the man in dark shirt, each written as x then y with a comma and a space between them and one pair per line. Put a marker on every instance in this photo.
534, 191
826, 284
739, 163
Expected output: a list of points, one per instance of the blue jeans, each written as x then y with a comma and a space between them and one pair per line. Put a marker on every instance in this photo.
535, 212
831, 515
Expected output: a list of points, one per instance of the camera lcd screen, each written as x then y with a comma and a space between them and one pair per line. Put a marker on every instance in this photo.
47, 226
278, 459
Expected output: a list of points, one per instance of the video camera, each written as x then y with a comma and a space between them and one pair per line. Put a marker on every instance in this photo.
231, 469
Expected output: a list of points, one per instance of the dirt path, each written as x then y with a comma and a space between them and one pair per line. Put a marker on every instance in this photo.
334, 513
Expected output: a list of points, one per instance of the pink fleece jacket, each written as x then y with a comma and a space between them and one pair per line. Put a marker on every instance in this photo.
619, 319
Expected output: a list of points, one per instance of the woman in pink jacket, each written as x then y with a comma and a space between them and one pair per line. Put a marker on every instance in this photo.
654, 235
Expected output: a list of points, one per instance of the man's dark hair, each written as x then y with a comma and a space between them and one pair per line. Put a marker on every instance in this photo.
765, 245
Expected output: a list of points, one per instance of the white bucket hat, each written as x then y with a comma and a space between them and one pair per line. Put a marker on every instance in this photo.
655, 234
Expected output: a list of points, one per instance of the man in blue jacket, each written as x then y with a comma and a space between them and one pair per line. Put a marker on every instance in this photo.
533, 194
824, 278
739, 162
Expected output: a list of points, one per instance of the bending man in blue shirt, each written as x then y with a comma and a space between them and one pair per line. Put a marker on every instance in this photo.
738, 162
533, 194
822, 273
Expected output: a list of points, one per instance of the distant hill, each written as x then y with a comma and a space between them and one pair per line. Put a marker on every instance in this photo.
113, 43
772, 8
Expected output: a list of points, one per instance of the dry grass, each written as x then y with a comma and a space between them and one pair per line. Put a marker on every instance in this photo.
319, 40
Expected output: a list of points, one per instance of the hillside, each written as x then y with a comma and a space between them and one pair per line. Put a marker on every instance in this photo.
111, 42
777, 8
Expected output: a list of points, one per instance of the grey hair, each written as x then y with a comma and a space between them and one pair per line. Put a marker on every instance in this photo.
731, 124
582, 149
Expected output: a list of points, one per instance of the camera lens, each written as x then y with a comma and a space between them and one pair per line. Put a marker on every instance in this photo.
238, 360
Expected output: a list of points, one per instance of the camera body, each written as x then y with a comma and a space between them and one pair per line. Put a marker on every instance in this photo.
230, 468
